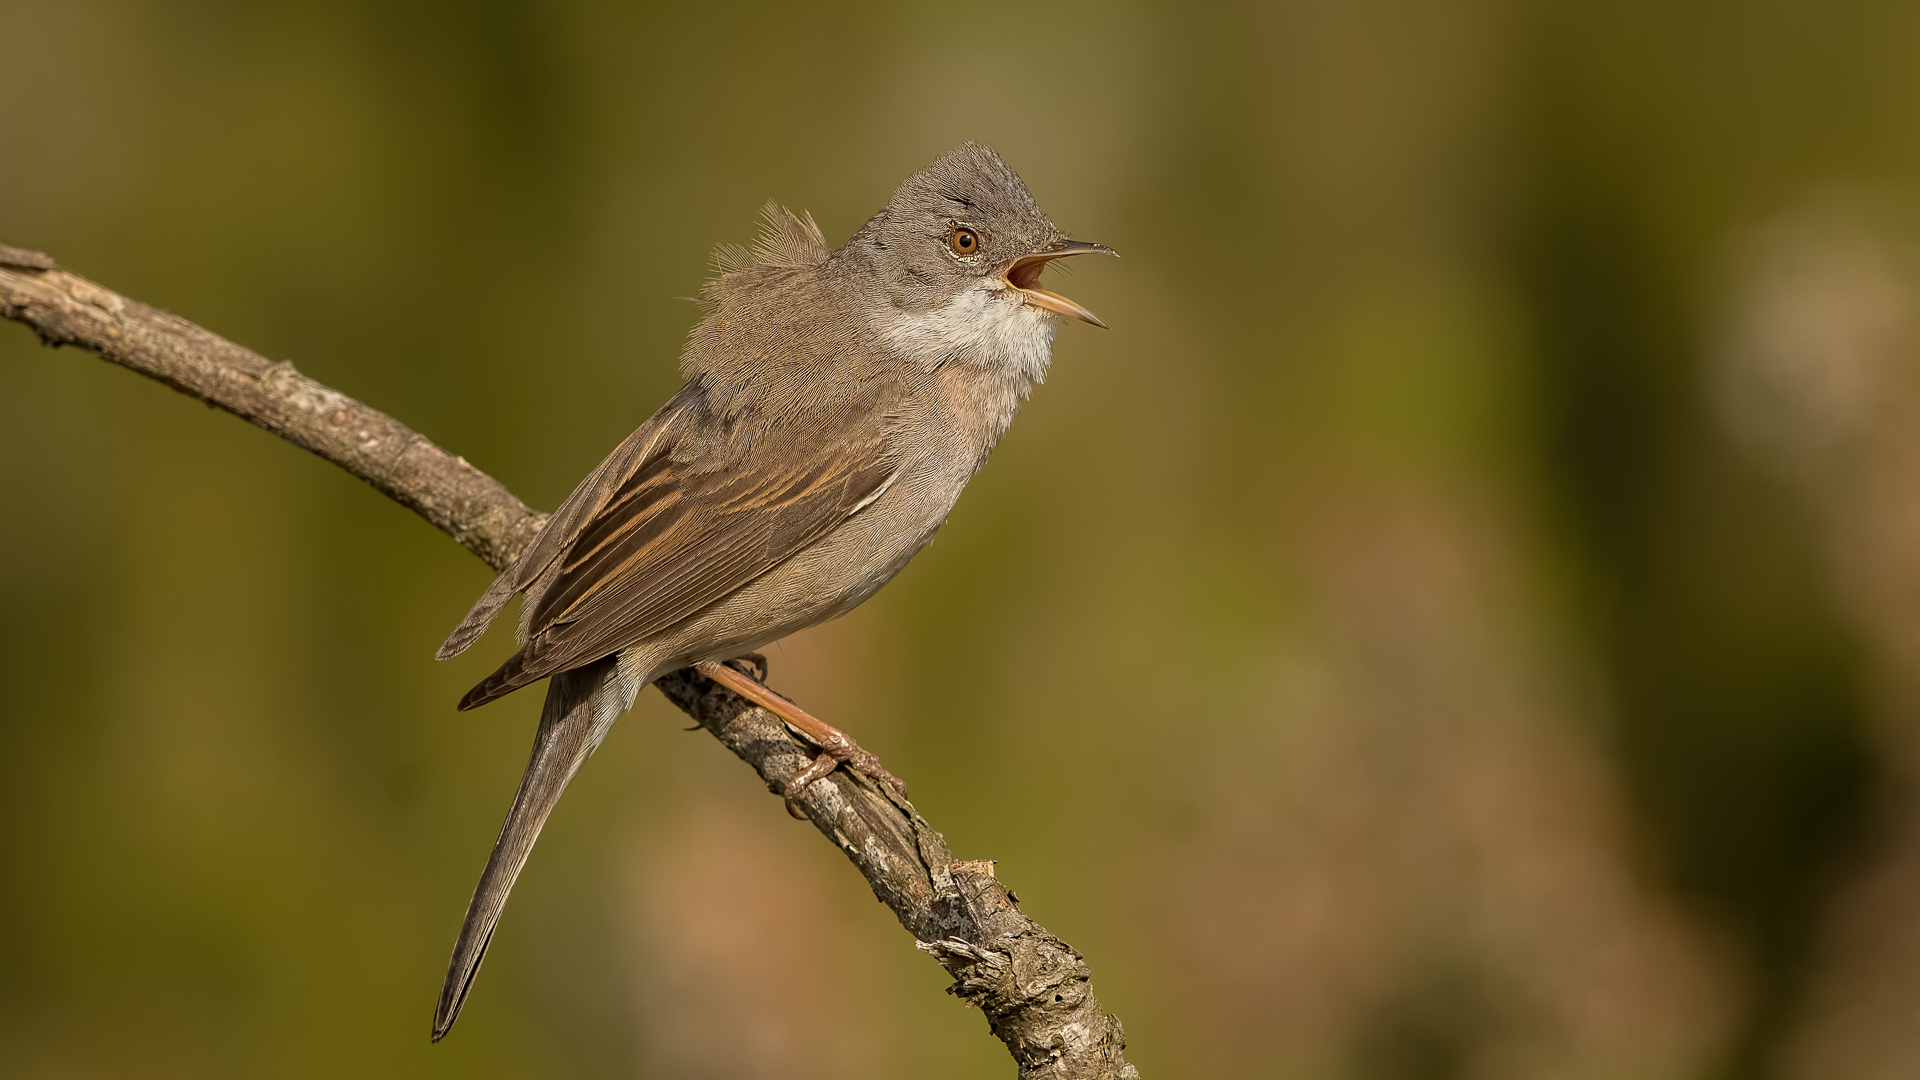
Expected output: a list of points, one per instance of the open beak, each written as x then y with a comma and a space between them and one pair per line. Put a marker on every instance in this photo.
1024, 276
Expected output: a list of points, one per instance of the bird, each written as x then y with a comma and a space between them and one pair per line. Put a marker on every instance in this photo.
835, 403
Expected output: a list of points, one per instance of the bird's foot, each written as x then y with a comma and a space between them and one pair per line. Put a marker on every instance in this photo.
837, 748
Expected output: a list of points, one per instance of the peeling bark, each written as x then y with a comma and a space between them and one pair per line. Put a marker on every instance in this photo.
1034, 990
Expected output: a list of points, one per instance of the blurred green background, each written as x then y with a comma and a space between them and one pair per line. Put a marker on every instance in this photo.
1464, 621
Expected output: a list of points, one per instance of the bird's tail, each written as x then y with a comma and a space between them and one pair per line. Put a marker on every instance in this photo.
575, 700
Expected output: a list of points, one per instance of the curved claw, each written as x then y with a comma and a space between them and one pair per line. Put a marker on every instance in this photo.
836, 751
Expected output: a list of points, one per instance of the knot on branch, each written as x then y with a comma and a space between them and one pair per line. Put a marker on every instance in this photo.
1036, 990
962, 959
1031, 969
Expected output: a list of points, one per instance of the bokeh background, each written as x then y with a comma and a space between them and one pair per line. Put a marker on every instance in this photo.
1463, 621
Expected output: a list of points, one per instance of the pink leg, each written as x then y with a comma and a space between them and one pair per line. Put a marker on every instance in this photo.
836, 748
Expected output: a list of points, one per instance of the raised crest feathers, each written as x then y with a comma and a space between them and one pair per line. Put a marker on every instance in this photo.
787, 241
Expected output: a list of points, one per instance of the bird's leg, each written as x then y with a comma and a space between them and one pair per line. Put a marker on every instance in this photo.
758, 669
836, 747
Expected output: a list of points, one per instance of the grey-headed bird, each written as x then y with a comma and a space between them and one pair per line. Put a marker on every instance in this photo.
836, 402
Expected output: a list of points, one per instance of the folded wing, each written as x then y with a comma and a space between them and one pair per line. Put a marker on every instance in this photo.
677, 518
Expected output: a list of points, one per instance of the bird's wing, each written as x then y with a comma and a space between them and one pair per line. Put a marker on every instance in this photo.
565, 523
677, 527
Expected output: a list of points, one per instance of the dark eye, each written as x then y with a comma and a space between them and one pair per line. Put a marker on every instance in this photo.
964, 242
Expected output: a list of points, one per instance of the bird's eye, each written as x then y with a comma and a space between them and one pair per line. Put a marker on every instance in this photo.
964, 242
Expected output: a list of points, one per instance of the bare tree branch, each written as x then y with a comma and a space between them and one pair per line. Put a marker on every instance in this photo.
1033, 988
67, 309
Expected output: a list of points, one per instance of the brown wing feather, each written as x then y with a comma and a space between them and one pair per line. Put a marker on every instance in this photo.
674, 532
564, 526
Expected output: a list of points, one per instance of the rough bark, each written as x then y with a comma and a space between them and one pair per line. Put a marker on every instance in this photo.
1032, 987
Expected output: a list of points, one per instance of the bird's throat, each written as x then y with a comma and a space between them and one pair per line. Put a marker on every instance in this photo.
982, 327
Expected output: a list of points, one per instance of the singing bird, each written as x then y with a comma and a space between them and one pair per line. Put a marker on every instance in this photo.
836, 401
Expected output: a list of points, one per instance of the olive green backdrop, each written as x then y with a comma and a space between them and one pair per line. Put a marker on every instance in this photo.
1454, 625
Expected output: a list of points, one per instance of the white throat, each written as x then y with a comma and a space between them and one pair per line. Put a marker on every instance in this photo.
1002, 345
985, 326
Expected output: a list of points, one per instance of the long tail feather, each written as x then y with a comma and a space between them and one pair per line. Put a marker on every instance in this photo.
565, 739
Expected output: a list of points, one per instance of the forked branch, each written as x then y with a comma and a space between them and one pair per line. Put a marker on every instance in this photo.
1033, 988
